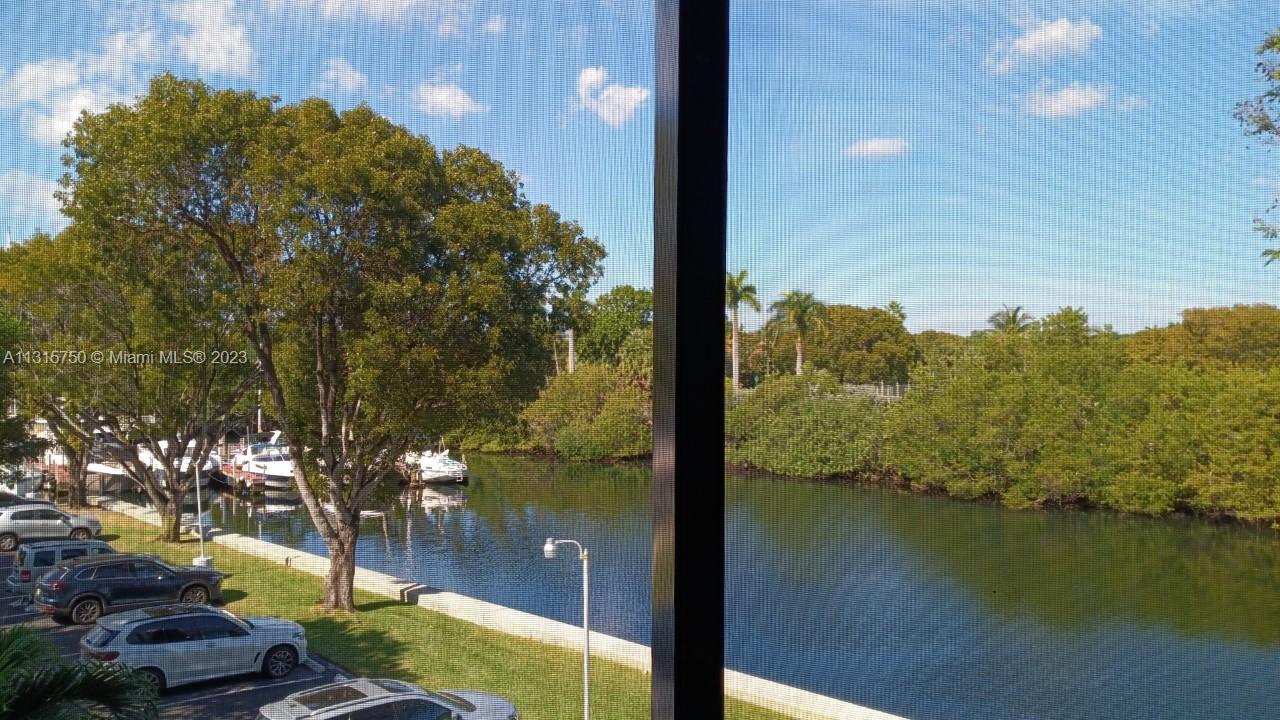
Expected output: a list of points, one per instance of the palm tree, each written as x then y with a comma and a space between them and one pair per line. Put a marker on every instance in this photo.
37, 684
1010, 319
738, 292
802, 313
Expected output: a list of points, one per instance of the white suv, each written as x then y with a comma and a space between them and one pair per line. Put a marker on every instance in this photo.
178, 644
363, 699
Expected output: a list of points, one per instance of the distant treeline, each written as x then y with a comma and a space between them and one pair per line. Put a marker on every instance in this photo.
1048, 412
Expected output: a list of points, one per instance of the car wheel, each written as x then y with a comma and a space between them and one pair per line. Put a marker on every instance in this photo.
86, 612
153, 677
8, 542
196, 595
280, 661
79, 534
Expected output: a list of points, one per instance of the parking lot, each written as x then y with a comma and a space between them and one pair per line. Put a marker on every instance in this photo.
229, 699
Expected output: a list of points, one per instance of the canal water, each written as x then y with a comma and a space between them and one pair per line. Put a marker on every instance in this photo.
925, 607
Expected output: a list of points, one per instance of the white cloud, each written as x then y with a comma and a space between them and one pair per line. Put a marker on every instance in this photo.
496, 25
1266, 183
216, 43
121, 54
341, 76
53, 123
37, 81
878, 147
28, 200
1068, 101
447, 15
615, 104
445, 98
50, 94
1043, 41
1130, 103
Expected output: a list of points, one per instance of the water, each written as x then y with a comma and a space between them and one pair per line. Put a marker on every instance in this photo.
924, 607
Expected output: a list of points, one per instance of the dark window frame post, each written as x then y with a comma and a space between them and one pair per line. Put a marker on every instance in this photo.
690, 203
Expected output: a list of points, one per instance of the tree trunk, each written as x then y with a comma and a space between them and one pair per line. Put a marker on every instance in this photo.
339, 583
799, 357
572, 360
76, 478
555, 353
734, 350
172, 514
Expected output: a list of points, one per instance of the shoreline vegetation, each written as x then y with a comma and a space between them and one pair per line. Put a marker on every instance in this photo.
1047, 413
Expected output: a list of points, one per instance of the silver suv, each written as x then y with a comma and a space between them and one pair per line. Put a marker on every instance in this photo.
36, 559
363, 699
41, 522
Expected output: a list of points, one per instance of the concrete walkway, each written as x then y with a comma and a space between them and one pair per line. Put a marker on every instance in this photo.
750, 689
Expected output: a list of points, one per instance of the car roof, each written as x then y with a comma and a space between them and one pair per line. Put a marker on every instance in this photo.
44, 544
159, 612
330, 697
103, 559
30, 506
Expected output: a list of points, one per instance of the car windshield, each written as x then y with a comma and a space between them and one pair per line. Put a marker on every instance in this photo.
455, 700
327, 697
99, 636
235, 619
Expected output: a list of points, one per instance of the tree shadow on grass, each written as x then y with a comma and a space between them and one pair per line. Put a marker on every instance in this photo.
359, 649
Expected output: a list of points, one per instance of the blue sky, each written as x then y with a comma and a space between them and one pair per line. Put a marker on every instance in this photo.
955, 155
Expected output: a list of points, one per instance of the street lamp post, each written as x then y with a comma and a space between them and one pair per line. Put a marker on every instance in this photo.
549, 552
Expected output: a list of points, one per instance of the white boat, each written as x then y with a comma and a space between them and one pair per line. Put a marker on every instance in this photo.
435, 467
274, 469
273, 444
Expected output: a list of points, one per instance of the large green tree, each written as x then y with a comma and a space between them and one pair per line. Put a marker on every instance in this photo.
1261, 119
610, 321
801, 313
385, 289
737, 292
15, 443
863, 345
169, 365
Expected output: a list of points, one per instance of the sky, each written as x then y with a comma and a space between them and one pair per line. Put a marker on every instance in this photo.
954, 155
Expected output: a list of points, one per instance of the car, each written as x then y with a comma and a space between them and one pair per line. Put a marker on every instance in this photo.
43, 522
35, 559
365, 699
87, 588
173, 645
8, 499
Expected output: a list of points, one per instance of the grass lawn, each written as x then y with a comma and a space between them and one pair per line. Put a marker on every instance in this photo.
389, 639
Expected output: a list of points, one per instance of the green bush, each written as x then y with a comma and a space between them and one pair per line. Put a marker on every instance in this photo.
803, 426
595, 413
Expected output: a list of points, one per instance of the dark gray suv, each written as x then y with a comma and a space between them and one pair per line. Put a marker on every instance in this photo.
85, 589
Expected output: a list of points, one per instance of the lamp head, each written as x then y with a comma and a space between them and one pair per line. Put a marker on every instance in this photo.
549, 549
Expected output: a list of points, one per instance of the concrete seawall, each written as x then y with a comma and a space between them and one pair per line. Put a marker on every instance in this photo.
750, 689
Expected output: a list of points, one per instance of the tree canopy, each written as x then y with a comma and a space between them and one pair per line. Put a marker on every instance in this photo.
611, 319
387, 290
